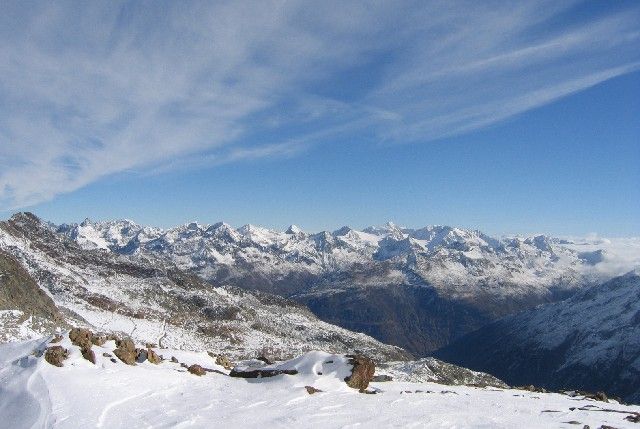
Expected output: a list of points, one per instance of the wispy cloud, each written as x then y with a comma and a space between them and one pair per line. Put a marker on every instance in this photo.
92, 89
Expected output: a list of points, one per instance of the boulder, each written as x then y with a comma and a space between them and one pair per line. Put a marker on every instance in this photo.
56, 339
89, 355
362, 372
55, 355
224, 362
196, 370
141, 355
98, 340
153, 357
81, 337
126, 351
125, 344
311, 390
260, 373
126, 356
265, 359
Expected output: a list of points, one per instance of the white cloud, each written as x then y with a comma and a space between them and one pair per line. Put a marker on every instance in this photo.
88, 90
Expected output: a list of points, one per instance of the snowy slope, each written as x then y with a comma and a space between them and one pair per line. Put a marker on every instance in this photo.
589, 341
34, 393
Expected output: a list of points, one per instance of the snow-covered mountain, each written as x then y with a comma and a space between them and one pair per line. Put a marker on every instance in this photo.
416, 288
589, 341
47, 280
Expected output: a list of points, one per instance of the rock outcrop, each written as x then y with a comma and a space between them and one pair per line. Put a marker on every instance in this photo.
362, 372
126, 351
55, 355
196, 369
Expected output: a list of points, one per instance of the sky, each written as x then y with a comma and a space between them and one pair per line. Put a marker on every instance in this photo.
509, 117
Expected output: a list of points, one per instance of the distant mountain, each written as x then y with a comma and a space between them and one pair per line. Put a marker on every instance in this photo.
415, 288
590, 341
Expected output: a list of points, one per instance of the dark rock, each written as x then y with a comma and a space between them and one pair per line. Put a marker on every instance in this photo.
99, 340
22, 292
173, 359
126, 351
55, 355
601, 396
141, 355
196, 370
56, 339
153, 357
89, 355
125, 344
265, 360
532, 388
260, 373
634, 418
81, 337
126, 356
381, 378
224, 362
105, 354
311, 390
362, 372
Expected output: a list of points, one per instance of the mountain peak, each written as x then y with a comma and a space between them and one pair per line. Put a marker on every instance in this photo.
342, 231
25, 216
293, 229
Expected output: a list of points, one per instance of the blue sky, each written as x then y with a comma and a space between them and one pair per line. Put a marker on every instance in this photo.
507, 118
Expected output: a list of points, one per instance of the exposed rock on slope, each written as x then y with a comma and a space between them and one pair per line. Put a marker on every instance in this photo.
23, 305
590, 341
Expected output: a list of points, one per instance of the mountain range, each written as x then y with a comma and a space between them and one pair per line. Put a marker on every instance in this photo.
531, 310
419, 289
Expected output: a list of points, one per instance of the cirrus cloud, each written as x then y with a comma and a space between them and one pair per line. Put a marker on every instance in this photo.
92, 89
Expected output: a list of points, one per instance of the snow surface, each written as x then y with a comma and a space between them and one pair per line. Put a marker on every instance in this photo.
35, 394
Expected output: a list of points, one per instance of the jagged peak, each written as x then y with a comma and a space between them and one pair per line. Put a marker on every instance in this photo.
294, 229
342, 231
220, 225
